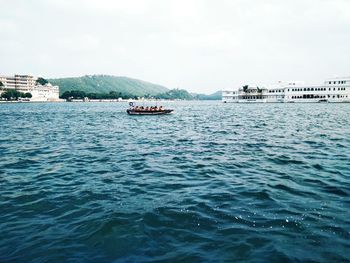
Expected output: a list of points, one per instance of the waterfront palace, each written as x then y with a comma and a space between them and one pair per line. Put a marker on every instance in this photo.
331, 90
29, 84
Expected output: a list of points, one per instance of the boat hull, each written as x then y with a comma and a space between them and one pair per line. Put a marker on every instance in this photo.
144, 112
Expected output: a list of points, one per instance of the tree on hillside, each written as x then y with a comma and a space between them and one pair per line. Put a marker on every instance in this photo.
114, 95
41, 81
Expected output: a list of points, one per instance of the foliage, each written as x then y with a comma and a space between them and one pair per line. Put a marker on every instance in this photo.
245, 88
41, 81
78, 94
12, 94
75, 94
175, 94
1, 84
104, 84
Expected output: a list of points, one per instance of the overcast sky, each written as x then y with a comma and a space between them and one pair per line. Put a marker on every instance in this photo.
198, 45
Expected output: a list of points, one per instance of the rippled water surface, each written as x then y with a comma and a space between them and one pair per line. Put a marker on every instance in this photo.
85, 182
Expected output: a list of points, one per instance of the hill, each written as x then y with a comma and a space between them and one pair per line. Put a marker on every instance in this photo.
174, 94
215, 96
106, 84
185, 95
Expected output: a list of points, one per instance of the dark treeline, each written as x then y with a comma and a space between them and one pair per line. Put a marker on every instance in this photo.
174, 94
171, 94
77, 94
12, 94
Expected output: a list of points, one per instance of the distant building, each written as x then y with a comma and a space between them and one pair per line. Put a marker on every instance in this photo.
332, 90
28, 84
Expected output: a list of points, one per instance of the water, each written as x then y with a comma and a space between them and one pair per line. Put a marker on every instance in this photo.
84, 182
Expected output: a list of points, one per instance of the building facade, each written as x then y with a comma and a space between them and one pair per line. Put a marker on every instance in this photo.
332, 90
28, 84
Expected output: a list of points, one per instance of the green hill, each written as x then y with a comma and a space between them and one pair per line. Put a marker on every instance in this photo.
215, 96
174, 94
106, 84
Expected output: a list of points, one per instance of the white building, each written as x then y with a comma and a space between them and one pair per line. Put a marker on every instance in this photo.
28, 84
332, 90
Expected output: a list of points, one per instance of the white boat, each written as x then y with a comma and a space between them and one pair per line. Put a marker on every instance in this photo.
332, 90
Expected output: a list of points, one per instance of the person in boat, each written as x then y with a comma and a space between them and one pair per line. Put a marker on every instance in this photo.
160, 108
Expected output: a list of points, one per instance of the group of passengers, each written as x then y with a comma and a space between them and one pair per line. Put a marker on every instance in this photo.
152, 108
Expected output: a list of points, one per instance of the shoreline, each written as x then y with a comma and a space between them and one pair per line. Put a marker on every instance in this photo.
87, 101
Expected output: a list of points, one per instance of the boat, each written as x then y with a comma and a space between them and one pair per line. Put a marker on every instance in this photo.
135, 110
323, 101
148, 112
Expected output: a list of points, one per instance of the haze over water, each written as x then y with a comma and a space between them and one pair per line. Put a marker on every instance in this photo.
85, 182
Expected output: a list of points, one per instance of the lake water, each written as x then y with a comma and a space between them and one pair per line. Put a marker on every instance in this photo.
85, 182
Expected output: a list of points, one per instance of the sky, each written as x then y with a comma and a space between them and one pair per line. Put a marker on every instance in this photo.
198, 45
